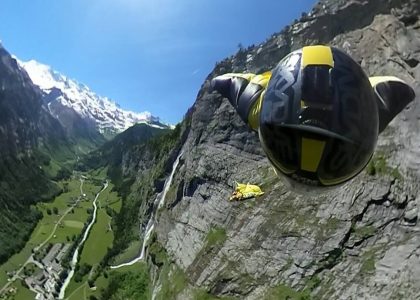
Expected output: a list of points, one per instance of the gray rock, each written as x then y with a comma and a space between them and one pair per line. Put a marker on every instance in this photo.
411, 215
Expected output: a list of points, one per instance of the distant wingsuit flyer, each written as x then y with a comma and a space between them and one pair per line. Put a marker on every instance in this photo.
317, 114
246, 191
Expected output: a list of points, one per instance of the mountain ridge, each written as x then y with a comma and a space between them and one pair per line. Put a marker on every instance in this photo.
63, 94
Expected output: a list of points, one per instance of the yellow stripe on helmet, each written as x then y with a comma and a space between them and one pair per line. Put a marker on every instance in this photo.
311, 155
317, 55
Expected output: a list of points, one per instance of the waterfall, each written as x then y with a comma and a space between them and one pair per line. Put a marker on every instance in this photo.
160, 199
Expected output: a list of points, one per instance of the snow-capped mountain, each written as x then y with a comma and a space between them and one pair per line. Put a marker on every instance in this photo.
65, 94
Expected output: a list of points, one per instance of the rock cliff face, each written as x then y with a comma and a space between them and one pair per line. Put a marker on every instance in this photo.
355, 242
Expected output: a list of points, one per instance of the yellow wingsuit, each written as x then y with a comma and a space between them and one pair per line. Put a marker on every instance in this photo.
388, 91
246, 191
246, 93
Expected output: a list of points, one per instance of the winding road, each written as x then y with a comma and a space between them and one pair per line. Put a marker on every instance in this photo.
31, 258
62, 217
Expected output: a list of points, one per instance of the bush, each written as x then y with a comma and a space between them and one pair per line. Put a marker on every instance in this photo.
62, 174
91, 283
128, 285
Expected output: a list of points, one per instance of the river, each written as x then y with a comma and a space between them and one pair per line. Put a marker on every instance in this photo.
76, 252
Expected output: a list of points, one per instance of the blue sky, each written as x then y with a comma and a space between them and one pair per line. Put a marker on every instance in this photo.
145, 55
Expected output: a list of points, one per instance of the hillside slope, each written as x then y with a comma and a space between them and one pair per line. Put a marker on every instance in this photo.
29, 138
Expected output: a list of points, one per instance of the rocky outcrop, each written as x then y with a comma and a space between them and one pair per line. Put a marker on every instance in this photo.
355, 242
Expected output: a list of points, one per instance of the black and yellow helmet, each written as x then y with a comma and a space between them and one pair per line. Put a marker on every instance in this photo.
319, 120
